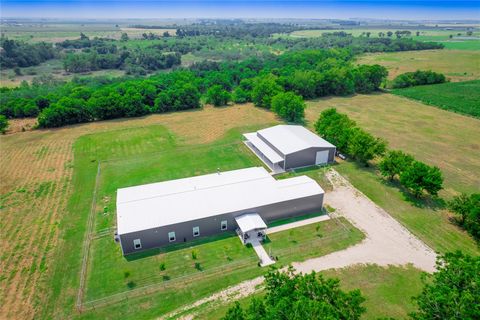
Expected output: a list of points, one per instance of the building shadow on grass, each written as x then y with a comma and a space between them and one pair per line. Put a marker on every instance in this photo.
179, 246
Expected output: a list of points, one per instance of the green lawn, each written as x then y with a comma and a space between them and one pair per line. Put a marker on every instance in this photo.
426, 219
388, 291
216, 255
461, 97
124, 156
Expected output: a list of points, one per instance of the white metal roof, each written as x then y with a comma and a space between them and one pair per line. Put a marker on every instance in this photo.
292, 138
250, 221
264, 148
166, 203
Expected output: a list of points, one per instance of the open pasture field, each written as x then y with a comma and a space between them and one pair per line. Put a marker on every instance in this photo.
53, 67
47, 188
457, 42
432, 135
457, 65
461, 97
37, 32
38, 181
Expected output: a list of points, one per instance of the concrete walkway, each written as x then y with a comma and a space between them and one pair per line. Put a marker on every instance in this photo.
297, 224
265, 259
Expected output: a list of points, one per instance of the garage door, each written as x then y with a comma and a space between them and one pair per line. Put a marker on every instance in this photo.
322, 157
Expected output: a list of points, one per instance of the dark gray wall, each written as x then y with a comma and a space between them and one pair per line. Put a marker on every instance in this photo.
306, 157
158, 237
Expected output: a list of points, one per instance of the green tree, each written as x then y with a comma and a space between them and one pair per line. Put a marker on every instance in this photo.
451, 292
240, 95
124, 37
293, 296
365, 147
335, 127
468, 209
235, 313
394, 163
419, 177
3, 123
264, 90
289, 106
218, 96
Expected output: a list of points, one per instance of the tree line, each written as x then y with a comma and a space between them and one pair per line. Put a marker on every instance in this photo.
451, 292
417, 78
15, 54
98, 54
417, 177
279, 83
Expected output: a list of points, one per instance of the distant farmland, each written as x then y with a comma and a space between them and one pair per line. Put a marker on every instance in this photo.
460, 97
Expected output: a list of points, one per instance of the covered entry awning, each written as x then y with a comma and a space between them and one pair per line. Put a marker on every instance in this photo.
250, 221
264, 148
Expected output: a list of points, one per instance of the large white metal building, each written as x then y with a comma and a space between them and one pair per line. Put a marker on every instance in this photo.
157, 214
284, 147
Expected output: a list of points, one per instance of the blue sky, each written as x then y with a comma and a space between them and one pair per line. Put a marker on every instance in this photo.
321, 9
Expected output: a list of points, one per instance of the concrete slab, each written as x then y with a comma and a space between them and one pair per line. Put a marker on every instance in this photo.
297, 224
265, 259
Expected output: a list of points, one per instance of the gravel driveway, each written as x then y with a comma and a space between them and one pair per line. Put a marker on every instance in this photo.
387, 242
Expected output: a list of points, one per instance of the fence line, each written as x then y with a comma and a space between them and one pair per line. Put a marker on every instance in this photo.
87, 242
189, 278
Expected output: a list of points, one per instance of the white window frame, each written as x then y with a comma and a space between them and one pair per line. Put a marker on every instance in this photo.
196, 230
224, 222
137, 242
170, 236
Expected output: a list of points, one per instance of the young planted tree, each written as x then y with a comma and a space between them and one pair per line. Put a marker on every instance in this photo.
452, 292
290, 295
218, 96
394, 163
289, 106
419, 177
365, 147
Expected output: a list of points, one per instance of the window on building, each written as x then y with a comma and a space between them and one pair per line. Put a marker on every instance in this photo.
196, 231
137, 244
171, 236
223, 225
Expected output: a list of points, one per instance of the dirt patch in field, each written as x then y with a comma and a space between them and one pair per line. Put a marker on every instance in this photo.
21, 125
36, 183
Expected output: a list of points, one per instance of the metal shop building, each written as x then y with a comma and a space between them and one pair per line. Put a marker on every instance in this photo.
245, 200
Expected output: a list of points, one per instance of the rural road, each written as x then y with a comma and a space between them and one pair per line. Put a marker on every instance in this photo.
386, 242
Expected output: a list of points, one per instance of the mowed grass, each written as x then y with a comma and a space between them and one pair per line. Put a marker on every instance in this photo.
428, 220
106, 274
457, 65
44, 204
461, 97
437, 137
388, 292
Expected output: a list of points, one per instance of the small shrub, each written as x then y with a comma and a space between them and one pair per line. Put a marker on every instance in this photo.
165, 278
131, 284
198, 266
162, 266
194, 254
126, 274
